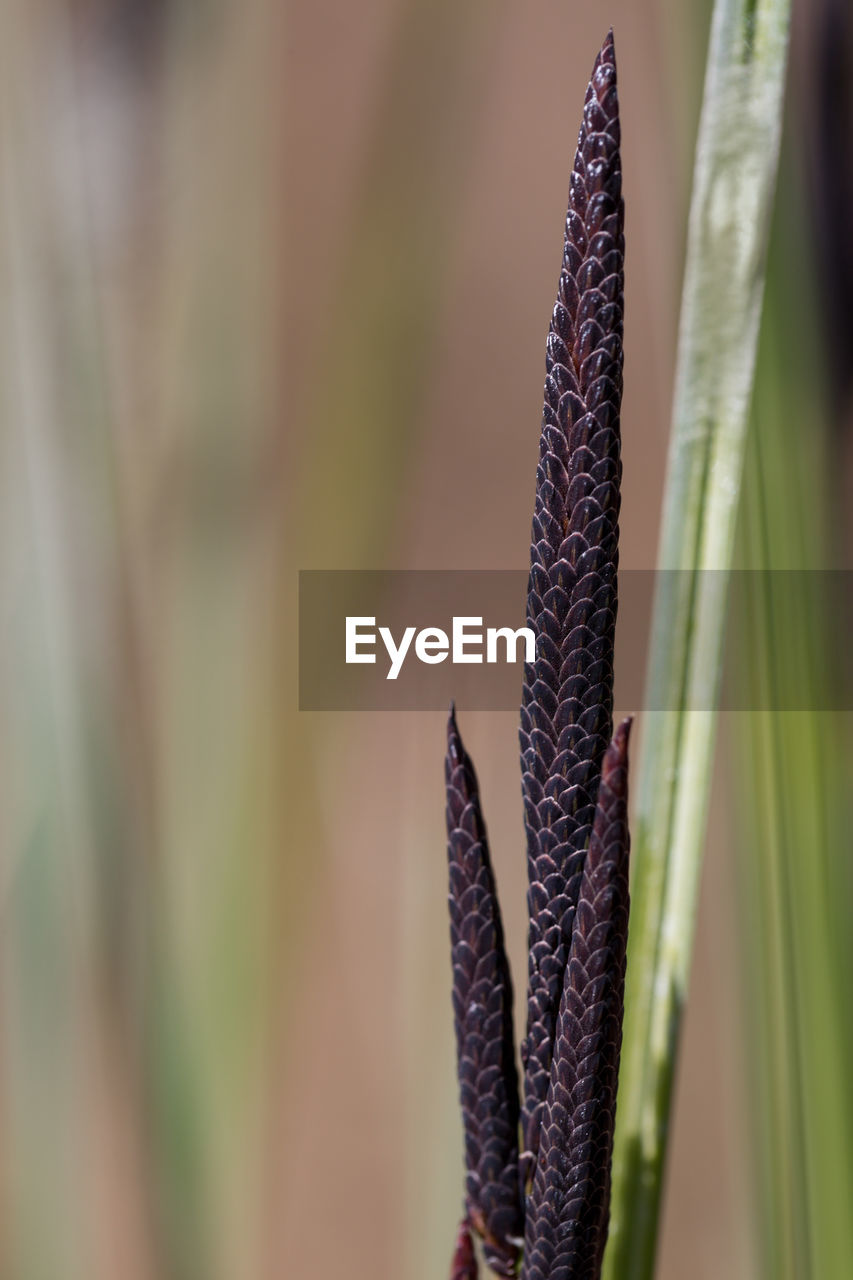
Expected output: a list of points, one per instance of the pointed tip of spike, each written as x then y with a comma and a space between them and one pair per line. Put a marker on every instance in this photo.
606, 54
454, 738
619, 746
616, 755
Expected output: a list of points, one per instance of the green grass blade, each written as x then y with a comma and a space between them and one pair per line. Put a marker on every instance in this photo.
791, 859
734, 181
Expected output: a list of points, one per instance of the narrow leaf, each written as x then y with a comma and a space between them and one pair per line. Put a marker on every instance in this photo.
734, 180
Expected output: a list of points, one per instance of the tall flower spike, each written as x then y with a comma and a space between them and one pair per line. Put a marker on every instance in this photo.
482, 1007
568, 1211
567, 698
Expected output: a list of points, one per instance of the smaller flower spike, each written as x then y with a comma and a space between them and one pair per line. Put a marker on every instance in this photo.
482, 1007
568, 1210
464, 1264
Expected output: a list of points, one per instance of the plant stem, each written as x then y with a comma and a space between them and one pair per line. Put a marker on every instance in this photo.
734, 180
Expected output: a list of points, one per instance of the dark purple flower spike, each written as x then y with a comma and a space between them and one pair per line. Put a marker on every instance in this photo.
567, 699
575, 795
568, 1209
482, 1007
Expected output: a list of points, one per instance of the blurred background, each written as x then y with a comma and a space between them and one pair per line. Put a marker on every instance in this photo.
275, 288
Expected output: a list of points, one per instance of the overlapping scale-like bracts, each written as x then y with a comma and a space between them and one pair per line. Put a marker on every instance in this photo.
567, 700
482, 1007
567, 1212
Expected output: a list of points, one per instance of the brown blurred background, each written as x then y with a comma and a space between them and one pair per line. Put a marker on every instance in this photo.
276, 286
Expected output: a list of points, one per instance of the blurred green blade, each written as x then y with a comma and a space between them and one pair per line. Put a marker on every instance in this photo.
793, 812
734, 180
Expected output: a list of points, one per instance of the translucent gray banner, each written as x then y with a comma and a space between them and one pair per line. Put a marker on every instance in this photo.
412, 640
